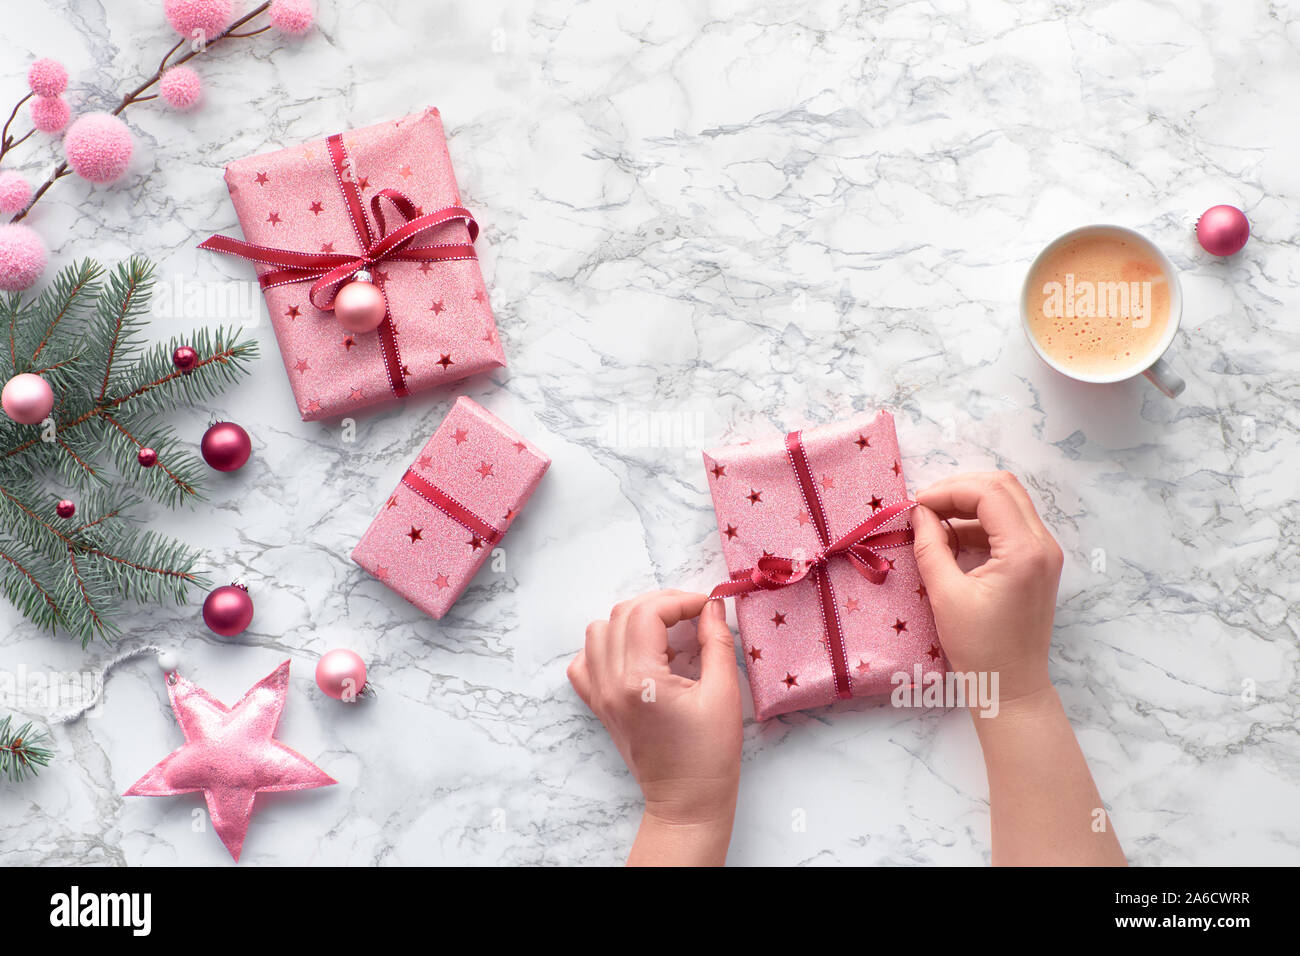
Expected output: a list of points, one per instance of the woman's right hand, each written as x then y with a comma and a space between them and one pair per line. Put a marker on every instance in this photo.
998, 617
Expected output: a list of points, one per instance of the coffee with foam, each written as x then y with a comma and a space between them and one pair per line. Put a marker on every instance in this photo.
1098, 304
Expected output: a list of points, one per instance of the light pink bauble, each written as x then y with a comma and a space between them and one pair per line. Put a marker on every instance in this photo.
47, 77
15, 190
27, 399
360, 306
98, 147
1222, 230
50, 113
292, 16
180, 87
22, 257
341, 674
207, 17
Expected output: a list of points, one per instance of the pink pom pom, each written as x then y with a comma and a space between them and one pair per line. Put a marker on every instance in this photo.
206, 17
50, 113
22, 257
180, 87
98, 147
47, 77
15, 190
292, 16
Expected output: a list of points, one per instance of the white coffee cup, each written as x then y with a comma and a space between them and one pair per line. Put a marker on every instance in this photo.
1154, 364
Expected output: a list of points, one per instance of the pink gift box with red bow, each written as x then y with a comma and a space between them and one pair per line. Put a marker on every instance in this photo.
828, 596
452, 507
383, 199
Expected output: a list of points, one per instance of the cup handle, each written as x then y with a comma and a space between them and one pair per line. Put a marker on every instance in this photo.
1163, 377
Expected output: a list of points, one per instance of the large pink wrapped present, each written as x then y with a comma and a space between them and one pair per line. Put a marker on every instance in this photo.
453, 505
815, 535
381, 200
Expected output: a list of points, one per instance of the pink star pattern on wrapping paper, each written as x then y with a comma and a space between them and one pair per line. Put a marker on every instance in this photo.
460, 436
230, 754
484, 470
437, 307
261, 179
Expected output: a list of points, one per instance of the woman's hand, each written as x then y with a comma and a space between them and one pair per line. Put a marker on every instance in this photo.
997, 618
680, 738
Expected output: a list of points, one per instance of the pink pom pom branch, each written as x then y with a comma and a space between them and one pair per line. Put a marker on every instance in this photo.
291, 17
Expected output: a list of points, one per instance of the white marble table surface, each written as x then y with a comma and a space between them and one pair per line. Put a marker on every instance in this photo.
735, 218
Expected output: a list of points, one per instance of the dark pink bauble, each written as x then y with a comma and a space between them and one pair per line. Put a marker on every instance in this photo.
341, 674
226, 446
228, 610
147, 457
65, 508
184, 358
1222, 230
360, 306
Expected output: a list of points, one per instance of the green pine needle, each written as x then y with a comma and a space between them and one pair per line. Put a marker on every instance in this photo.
86, 336
22, 752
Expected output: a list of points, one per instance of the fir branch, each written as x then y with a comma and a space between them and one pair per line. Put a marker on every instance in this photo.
118, 320
23, 752
113, 394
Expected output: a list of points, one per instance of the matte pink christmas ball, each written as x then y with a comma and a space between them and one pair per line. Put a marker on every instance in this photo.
98, 147
341, 674
180, 87
50, 113
228, 610
27, 399
292, 16
15, 190
360, 306
22, 257
207, 17
1223, 230
47, 77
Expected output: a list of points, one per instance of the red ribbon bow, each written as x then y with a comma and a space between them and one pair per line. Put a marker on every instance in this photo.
328, 271
859, 547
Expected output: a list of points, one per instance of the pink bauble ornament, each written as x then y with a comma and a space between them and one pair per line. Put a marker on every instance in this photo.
228, 610
341, 674
50, 113
22, 257
65, 508
226, 446
180, 87
360, 305
184, 358
1222, 230
15, 190
98, 147
292, 16
47, 77
199, 19
147, 457
27, 399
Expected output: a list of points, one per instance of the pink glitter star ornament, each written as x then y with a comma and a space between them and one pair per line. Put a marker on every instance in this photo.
230, 754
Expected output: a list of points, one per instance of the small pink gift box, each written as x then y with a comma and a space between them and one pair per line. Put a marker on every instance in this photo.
453, 505
319, 211
851, 620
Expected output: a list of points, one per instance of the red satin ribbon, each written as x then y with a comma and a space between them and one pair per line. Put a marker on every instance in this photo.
328, 271
452, 508
773, 572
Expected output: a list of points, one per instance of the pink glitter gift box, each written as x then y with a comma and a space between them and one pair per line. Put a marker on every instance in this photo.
319, 211
453, 505
820, 517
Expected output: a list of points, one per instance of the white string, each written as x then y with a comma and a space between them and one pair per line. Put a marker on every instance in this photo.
81, 710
